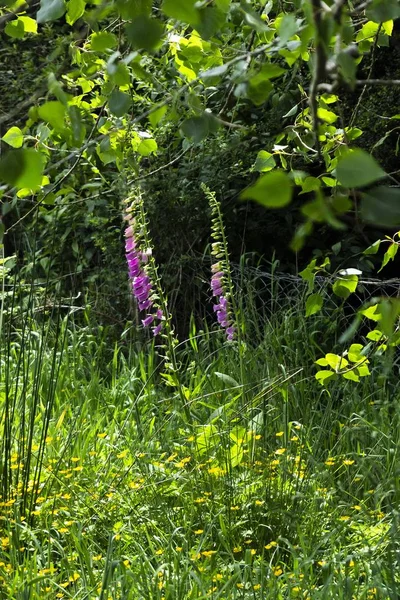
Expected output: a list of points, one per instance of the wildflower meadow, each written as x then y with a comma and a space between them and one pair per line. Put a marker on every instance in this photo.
210, 467
199, 300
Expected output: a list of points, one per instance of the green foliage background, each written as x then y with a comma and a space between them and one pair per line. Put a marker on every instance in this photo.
111, 99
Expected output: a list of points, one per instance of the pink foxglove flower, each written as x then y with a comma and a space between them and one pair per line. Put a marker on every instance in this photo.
221, 281
137, 259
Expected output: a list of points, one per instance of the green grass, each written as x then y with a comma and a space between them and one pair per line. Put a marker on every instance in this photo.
277, 488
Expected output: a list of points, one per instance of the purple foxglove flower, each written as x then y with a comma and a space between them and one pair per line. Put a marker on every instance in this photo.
216, 283
141, 281
130, 244
134, 267
134, 271
145, 305
159, 314
141, 290
217, 275
131, 255
230, 332
142, 297
218, 291
222, 315
147, 320
156, 330
223, 302
129, 231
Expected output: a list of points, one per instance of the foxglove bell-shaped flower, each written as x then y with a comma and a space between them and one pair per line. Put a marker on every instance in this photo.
222, 307
137, 259
221, 282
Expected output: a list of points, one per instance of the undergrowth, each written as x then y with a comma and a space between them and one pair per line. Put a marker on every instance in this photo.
275, 487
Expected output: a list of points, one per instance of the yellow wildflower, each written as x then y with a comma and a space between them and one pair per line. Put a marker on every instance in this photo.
271, 545
280, 451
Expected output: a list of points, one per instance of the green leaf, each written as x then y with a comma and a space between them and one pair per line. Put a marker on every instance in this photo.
345, 286
373, 249
105, 152
308, 274
355, 353
357, 168
14, 137
119, 73
341, 203
30, 25
326, 115
197, 128
381, 206
236, 454
347, 66
389, 255
352, 133
22, 168
383, 10
254, 20
300, 235
287, 28
211, 21
310, 184
314, 304
375, 335
15, 29
264, 162
103, 41
75, 10
271, 70
372, 312
147, 147
273, 190
335, 361
389, 309
182, 10
119, 103
56, 88
223, 4
78, 129
227, 379
259, 88
50, 10
145, 32
130, 9
54, 113
367, 31
157, 115
363, 370
352, 375
324, 377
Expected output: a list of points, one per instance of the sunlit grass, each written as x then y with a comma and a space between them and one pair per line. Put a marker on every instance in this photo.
275, 489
